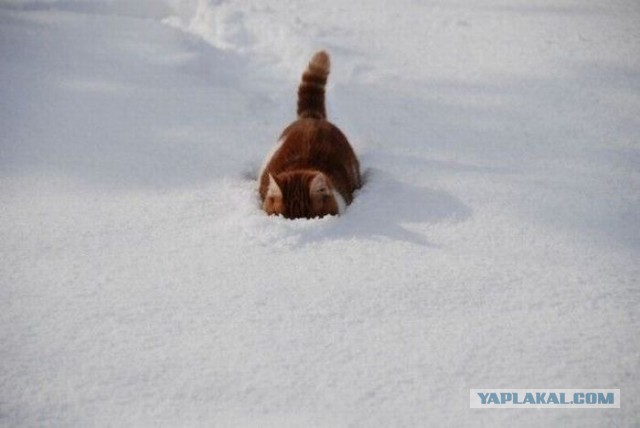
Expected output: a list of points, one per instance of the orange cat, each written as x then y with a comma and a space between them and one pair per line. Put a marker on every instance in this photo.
313, 171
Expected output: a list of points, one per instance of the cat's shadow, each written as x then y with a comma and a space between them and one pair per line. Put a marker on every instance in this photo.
385, 208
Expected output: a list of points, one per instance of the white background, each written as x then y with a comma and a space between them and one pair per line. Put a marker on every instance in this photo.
495, 242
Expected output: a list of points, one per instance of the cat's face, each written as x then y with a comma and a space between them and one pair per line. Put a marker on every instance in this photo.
304, 194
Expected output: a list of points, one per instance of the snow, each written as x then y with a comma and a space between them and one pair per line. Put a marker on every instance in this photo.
494, 245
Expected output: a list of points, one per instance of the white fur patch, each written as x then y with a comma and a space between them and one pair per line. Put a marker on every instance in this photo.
342, 206
269, 156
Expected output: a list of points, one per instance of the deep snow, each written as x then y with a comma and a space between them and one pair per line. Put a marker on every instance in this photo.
495, 243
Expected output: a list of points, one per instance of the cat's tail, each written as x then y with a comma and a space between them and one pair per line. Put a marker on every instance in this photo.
311, 89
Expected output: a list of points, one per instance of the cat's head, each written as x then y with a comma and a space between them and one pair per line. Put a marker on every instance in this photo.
301, 194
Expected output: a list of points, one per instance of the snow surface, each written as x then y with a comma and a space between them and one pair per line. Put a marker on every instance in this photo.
494, 245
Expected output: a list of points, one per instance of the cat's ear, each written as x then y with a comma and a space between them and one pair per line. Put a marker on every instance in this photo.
274, 189
319, 185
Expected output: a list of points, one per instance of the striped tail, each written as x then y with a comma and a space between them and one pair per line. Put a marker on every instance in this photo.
311, 89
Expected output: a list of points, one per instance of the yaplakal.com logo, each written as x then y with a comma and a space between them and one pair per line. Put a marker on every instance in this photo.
544, 398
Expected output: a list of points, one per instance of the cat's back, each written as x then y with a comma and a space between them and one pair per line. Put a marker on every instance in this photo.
316, 144
316, 137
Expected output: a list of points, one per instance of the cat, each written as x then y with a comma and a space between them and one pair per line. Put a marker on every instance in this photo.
313, 170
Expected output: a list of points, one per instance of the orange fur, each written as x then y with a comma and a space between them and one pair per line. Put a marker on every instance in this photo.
315, 169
